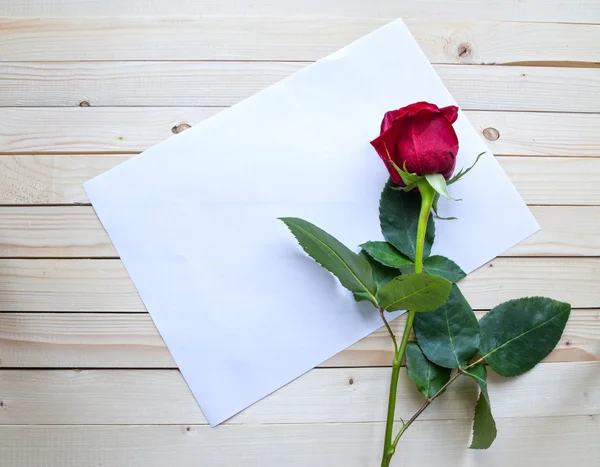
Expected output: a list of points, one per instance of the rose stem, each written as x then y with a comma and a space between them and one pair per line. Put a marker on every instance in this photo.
429, 400
389, 447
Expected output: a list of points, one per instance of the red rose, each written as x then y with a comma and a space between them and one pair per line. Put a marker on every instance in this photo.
419, 137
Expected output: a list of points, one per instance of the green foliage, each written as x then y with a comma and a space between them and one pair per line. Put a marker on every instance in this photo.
353, 272
518, 334
462, 172
428, 376
484, 426
415, 292
443, 267
438, 183
449, 336
382, 274
387, 255
410, 179
399, 218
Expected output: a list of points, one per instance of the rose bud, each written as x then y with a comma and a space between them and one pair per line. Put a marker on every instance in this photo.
418, 139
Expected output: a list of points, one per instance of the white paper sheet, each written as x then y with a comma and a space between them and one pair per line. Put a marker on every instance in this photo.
240, 306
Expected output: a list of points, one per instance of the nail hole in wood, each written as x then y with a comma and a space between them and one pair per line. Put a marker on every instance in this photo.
179, 128
187, 428
351, 381
491, 134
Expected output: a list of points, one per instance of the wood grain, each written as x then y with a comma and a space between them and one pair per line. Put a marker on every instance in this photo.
104, 286
92, 382
551, 442
76, 232
46, 84
582, 11
277, 38
56, 397
134, 129
51, 179
122, 340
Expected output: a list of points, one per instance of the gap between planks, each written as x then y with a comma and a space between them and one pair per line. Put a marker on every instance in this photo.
123, 340
271, 38
217, 84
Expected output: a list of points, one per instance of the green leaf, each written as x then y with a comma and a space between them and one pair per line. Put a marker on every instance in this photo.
354, 272
438, 183
382, 274
387, 255
415, 292
443, 267
484, 426
428, 376
463, 172
518, 334
449, 336
399, 218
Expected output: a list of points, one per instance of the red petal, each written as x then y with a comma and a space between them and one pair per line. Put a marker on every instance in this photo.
388, 119
413, 109
427, 143
384, 144
450, 112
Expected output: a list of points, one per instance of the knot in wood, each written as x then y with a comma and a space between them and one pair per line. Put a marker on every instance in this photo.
84, 104
464, 50
491, 134
179, 128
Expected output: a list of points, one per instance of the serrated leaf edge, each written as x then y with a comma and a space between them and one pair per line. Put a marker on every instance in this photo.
483, 397
285, 221
567, 310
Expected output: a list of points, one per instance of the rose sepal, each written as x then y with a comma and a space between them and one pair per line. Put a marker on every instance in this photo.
462, 172
410, 179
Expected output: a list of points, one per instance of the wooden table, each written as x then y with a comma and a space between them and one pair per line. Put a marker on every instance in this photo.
85, 379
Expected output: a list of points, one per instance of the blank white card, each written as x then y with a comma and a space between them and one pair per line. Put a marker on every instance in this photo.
240, 306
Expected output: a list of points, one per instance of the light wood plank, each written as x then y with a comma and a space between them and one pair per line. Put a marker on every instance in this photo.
582, 11
97, 130
337, 395
76, 232
113, 340
530, 134
271, 38
104, 286
134, 129
46, 84
54, 232
50, 179
556, 181
565, 231
551, 442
